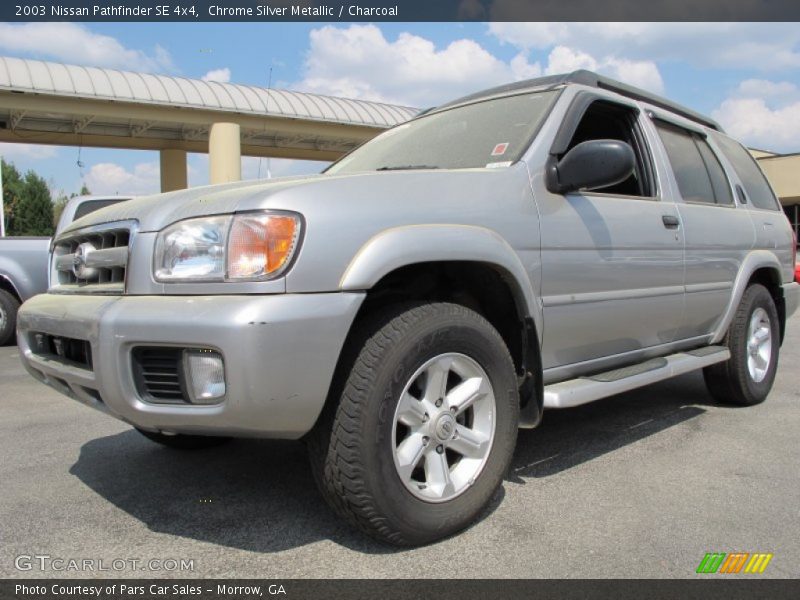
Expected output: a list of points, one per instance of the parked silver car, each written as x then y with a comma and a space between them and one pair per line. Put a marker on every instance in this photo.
540, 245
24, 261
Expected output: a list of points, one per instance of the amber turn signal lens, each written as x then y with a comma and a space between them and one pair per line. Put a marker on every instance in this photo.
260, 245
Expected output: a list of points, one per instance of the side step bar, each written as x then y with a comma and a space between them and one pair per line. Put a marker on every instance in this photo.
583, 390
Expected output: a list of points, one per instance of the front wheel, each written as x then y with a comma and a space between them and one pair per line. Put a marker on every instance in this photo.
8, 316
425, 425
754, 342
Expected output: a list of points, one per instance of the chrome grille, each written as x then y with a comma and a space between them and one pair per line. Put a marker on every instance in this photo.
92, 260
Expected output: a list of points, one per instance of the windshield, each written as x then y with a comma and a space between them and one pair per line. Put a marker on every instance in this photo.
491, 133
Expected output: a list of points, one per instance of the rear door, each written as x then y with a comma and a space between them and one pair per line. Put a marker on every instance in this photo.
755, 193
612, 275
718, 232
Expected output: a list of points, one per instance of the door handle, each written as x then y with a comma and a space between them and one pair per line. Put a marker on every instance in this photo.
670, 221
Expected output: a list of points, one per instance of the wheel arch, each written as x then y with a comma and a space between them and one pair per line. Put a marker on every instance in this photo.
468, 265
8, 285
759, 266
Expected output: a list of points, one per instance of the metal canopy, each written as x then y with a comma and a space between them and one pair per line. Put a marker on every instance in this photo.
53, 103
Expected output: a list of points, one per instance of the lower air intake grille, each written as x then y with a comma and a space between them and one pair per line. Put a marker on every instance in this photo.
70, 351
158, 373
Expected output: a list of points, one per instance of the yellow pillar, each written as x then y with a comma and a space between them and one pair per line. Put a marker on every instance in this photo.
173, 170
224, 153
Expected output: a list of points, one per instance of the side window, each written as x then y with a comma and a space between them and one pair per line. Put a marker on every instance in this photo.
759, 194
719, 181
609, 121
697, 169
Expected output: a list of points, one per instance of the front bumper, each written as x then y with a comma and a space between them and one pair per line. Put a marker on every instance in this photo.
280, 352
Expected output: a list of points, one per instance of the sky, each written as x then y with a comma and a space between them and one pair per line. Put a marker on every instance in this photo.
746, 75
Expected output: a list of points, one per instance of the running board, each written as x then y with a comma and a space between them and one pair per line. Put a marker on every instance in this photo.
579, 391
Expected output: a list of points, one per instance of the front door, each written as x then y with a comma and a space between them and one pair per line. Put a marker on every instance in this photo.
612, 275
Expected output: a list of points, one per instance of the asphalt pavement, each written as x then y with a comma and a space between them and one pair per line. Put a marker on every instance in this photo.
639, 485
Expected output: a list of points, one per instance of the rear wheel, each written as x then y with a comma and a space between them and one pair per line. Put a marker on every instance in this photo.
184, 442
425, 424
754, 342
8, 316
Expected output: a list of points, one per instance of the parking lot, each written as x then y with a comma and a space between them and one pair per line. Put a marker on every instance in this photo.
639, 485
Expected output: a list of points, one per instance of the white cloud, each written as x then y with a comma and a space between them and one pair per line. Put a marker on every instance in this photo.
522, 69
74, 43
11, 151
760, 46
763, 88
641, 73
763, 114
221, 75
359, 61
112, 178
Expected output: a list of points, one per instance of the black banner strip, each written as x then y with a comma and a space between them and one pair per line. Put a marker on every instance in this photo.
729, 588
398, 10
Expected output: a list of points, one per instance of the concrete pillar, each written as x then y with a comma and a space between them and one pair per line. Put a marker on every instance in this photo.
173, 170
224, 153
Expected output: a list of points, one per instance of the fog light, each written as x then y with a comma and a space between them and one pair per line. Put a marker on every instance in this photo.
205, 376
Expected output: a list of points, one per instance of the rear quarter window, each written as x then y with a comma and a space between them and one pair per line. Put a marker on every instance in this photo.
756, 186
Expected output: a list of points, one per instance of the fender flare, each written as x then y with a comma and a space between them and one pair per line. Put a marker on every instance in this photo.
402, 246
10, 278
756, 259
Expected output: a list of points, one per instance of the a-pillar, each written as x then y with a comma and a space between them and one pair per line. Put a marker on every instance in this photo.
224, 153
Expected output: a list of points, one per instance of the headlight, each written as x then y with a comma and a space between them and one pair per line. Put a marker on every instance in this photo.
192, 250
245, 247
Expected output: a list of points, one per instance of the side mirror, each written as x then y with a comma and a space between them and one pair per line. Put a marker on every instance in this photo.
591, 165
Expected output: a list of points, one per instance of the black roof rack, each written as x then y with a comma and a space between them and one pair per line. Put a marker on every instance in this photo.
592, 79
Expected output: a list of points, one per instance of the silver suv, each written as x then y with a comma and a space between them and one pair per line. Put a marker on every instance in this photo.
539, 245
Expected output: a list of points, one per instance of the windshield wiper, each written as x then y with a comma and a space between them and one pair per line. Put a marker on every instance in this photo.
406, 167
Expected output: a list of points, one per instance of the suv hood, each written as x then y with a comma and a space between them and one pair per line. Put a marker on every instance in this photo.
354, 194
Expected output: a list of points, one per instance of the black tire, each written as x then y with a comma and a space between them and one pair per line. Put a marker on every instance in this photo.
731, 382
184, 442
8, 317
351, 448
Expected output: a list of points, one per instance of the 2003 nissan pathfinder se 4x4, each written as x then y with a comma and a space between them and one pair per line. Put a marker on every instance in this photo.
538, 245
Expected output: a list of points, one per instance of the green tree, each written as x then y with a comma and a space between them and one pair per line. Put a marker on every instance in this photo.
12, 184
59, 205
33, 211
84, 192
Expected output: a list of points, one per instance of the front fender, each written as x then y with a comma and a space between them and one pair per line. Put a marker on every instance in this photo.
415, 244
757, 259
23, 284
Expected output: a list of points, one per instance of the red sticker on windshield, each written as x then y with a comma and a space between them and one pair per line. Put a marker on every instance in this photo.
500, 149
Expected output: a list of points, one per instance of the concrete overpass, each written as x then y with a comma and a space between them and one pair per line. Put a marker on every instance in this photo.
53, 103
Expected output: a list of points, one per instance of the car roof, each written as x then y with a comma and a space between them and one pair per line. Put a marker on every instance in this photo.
587, 78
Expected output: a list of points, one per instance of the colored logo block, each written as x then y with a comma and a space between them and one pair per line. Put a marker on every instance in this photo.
734, 562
